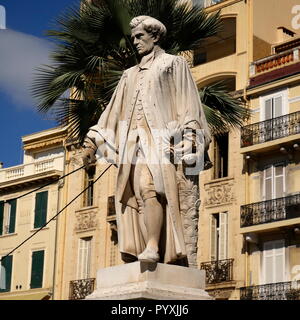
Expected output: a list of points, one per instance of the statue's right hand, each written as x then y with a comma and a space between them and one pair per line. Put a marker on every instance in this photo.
88, 157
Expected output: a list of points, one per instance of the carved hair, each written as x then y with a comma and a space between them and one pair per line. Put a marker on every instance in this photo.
151, 25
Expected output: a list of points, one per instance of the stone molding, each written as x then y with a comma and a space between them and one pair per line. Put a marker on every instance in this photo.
219, 193
86, 220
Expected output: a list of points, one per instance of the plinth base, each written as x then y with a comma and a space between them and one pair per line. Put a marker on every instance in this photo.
154, 281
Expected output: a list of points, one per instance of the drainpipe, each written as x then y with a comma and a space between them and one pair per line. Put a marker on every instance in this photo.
59, 189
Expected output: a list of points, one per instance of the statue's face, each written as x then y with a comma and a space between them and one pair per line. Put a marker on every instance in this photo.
143, 41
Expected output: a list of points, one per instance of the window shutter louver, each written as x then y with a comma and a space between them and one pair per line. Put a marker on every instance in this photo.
213, 238
268, 109
279, 181
274, 261
7, 264
37, 269
278, 107
12, 216
223, 236
268, 182
84, 258
41, 203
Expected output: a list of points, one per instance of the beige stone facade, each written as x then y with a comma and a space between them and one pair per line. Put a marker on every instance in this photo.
261, 252
230, 261
30, 270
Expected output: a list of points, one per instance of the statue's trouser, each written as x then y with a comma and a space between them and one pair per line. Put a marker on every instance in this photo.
144, 189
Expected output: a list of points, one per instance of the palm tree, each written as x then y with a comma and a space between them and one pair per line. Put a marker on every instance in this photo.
93, 48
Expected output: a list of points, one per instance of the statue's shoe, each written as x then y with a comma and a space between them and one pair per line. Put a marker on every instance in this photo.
148, 255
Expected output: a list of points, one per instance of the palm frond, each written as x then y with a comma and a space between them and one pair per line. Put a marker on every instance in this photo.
222, 110
93, 48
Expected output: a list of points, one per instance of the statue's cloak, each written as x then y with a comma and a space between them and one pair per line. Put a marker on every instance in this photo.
169, 95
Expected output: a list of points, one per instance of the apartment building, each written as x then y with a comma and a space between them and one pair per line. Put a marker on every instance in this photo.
25, 206
249, 196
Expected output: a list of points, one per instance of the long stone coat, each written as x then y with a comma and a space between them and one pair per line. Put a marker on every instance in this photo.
169, 95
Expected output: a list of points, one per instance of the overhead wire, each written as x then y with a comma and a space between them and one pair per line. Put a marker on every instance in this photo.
47, 184
90, 184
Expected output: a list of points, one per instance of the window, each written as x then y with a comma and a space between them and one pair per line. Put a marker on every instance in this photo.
8, 216
6, 274
274, 181
37, 269
219, 236
89, 182
111, 209
273, 262
41, 204
274, 105
221, 156
84, 258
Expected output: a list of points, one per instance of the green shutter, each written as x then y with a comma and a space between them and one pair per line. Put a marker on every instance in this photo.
12, 216
1, 216
41, 202
7, 264
37, 268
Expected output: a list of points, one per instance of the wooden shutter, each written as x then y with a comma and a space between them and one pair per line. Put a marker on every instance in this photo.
274, 182
1, 216
12, 215
279, 181
41, 204
216, 159
277, 107
268, 183
223, 236
84, 258
268, 110
274, 262
7, 264
2, 277
213, 238
37, 269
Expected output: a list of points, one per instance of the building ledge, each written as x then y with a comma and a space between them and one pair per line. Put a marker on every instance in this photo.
28, 181
272, 145
221, 285
273, 75
34, 294
271, 226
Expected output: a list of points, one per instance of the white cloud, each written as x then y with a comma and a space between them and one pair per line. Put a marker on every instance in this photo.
20, 55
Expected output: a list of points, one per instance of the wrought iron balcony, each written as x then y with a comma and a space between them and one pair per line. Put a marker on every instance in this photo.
271, 129
270, 210
273, 291
79, 289
218, 271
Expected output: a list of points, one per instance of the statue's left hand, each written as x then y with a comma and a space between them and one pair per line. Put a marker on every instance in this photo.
184, 148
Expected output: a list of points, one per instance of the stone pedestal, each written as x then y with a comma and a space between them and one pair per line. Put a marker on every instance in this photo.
154, 281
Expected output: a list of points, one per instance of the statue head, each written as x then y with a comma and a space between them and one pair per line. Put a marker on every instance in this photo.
146, 32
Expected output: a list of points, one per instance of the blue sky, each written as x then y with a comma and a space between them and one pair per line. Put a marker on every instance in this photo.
23, 47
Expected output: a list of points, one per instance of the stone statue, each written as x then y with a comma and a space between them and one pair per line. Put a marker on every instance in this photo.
155, 131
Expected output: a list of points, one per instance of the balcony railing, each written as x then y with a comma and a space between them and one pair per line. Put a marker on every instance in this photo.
32, 168
270, 210
273, 291
79, 289
274, 62
218, 271
271, 129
